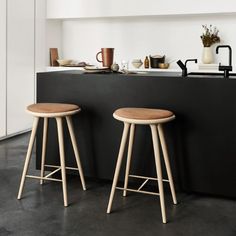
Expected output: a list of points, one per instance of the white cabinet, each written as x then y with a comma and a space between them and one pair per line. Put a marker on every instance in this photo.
112, 8
20, 64
17, 62
2, 68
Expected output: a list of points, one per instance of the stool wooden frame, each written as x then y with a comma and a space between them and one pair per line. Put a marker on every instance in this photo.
58, 116
156, 130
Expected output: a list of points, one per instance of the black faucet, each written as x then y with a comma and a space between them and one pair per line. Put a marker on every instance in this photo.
183, 66
228, 68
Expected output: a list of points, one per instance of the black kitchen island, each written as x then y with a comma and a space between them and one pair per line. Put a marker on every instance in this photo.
201, 141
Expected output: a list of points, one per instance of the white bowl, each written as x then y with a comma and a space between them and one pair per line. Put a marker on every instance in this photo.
137, 63
64, 62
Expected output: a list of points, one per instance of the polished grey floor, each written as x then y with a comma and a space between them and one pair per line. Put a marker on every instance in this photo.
41, 210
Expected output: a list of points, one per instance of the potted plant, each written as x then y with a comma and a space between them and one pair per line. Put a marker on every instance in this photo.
209, 37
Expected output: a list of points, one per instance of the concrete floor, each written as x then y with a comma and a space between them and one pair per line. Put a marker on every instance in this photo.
41, 210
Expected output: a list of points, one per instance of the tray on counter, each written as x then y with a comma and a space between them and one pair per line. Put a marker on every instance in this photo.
81, 64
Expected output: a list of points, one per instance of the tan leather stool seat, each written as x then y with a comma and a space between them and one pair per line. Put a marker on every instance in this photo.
52, 109
143, 115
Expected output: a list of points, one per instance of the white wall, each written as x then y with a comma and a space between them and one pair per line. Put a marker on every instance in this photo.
53, 38
178, 37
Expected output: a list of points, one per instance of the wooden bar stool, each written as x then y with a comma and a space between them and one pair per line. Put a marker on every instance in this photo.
57, 111
154, 118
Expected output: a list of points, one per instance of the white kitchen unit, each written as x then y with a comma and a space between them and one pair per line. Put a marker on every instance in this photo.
20, 64
17, 65
69, 9
2, 68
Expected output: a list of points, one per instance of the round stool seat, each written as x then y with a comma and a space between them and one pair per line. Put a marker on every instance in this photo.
143, 115
52, 109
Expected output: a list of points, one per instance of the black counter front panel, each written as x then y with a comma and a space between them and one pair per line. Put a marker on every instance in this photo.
201, 141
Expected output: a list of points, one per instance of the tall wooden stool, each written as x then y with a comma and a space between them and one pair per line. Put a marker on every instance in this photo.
154, 118
57, 111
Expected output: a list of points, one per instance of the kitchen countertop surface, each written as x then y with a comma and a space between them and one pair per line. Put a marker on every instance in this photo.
152, 73
191, 68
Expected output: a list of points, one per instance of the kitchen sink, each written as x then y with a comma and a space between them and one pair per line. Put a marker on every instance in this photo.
160, 73
210, 75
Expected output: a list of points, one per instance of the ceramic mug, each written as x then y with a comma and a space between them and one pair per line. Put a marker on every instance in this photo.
107, 56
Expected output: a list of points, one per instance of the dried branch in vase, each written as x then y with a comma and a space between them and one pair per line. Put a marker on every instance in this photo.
209, 35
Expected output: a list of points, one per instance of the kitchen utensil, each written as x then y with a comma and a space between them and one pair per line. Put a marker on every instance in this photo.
115, 67
53, 57
155, 60
63, 62
107, 56
95, 69
124, 65
137, 63
163, 65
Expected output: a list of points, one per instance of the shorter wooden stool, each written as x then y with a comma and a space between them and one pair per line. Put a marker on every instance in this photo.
154, 118
57, 111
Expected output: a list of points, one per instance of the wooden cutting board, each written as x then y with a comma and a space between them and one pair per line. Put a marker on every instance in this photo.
53, 57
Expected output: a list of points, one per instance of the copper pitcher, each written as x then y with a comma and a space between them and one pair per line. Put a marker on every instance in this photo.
107, 56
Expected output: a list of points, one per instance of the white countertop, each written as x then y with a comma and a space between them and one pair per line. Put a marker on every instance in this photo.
190, 69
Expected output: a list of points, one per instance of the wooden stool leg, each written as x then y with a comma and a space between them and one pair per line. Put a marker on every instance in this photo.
45, 129
28, 156
62, 158
167, 163
118, 165
159, 172
131, 141
76, 151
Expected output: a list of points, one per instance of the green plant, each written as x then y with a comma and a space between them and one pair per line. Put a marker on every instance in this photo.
209, 35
